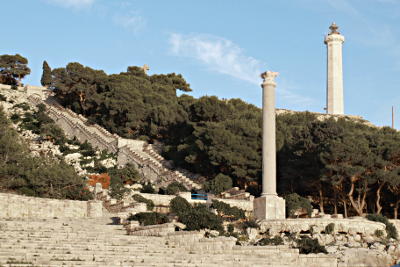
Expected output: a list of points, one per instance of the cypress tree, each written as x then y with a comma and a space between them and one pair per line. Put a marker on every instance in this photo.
46, 76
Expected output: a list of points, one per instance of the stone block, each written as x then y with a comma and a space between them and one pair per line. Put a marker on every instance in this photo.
269, 207
94, 209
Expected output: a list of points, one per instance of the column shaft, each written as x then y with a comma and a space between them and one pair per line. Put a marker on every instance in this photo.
269, 144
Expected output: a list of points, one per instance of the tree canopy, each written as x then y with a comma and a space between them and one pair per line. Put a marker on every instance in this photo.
13, 68
46, 75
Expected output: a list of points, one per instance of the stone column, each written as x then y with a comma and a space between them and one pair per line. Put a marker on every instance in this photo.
269, 206
269, 134
334, 84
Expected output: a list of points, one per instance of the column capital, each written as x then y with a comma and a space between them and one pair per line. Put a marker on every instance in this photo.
269, 78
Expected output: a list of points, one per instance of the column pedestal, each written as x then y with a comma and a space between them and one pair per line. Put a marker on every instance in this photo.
269, 207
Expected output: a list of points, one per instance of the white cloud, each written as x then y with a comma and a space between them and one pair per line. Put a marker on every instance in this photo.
225, 57
78, 4
218, 54
133, 23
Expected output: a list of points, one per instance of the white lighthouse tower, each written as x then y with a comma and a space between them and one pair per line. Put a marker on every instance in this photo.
334, 84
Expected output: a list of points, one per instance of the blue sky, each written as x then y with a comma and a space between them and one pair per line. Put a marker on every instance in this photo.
221, 46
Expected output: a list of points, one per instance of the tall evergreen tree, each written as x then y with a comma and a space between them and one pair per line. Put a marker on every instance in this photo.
13, 68
46, 75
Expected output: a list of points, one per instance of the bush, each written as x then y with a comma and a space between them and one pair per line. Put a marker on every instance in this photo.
180, 206
200, 217
274, 241
230, 228
141, 199
149, 218
225, 209
378, 233
87, 149
117, 188
330, 228
390, 228
307, 245
250, 224
219, 184
15, 117
127, 174
174, 188
3, 98
24, 106
294, 202
147, 188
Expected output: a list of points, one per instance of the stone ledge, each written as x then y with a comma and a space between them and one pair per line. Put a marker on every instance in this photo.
350, 226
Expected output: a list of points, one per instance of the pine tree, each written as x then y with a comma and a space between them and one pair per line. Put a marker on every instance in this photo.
13, 68
46, 76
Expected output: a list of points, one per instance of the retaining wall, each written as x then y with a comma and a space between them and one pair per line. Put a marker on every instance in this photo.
17, 206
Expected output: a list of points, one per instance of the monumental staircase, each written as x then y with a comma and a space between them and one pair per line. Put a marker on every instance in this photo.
149, 162
96, 242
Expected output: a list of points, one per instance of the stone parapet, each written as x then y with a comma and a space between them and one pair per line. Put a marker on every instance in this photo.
317, 225
17, 206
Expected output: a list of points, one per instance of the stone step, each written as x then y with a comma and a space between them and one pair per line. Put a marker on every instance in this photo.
80, 242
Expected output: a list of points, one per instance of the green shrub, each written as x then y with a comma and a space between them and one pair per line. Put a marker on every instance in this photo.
378, 233
307, 245
29, 122
24, 106
149, 218
225, 209
87, 149
117, 187
180, 206
230, 228
147, 188
174, 188
219, 184
295, 202
390, 228
41, 107
15, 117
200, 217
118, 178
330, 228
251, 223
274, 241
52, 131
126, 174
141, 199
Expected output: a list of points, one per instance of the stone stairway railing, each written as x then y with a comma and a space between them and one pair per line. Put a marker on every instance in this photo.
151, 165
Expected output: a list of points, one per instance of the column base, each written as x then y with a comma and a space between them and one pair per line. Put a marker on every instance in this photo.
269, 207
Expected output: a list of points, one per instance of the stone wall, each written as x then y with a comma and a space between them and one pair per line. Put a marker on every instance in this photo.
17, 206
5, 87
352, 226
163, 200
